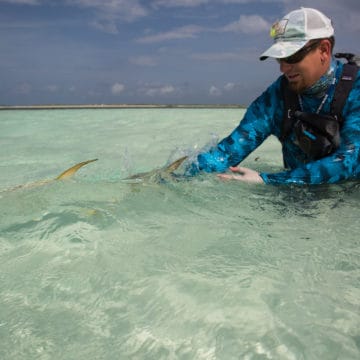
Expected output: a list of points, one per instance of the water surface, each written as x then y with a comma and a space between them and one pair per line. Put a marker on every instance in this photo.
97, 268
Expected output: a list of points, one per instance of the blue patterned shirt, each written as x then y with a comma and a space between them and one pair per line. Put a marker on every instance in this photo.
264, 117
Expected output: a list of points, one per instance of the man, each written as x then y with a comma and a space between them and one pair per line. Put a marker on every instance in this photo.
303, 44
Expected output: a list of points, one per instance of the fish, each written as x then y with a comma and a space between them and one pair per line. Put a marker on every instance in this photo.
158, 175
63, 176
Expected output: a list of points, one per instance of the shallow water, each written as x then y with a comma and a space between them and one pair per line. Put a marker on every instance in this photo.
97, 268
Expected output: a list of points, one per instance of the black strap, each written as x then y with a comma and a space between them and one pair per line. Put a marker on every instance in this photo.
291, 104
343, 89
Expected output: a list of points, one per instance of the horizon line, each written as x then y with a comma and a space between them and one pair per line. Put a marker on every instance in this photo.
118, 106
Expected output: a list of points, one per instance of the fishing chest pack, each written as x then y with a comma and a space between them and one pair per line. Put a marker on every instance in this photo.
319, 135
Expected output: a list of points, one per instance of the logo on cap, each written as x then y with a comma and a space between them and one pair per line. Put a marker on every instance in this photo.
278, 28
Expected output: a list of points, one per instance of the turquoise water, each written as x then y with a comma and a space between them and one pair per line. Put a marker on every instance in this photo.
99, 268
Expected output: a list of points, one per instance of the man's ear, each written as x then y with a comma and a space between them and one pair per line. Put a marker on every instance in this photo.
325, 50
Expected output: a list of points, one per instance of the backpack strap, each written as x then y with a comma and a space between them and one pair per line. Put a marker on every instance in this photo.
291, 104
342, 90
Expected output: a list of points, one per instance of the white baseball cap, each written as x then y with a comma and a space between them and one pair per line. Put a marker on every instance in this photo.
295, 29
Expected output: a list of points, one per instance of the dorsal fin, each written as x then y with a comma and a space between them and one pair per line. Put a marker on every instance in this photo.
174, 165
71, 171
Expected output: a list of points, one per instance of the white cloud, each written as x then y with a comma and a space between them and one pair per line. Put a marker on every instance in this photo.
179, 3
158, 90
107, 26
247, 1
125, 9
167, 89
23, 2
117, 88
229, 86
195, 3
214, 91
248, 24
108, 12
185, 32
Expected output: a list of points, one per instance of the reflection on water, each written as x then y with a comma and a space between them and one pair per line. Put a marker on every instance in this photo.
202, 269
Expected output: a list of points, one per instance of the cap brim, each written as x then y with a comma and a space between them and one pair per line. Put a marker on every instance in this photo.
283, 49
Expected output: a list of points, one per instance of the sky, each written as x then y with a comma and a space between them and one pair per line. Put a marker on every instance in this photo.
147, 51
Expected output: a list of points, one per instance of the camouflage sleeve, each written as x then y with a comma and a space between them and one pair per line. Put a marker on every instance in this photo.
342, 165
255, 127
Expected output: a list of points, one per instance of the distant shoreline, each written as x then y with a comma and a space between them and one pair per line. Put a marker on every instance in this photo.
120, 106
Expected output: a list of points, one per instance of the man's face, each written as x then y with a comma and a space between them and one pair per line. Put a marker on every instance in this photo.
303, 74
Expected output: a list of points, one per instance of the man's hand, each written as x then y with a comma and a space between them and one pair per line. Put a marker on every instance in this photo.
242, 174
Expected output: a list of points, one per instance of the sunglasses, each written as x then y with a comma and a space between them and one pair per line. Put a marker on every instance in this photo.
299, 55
